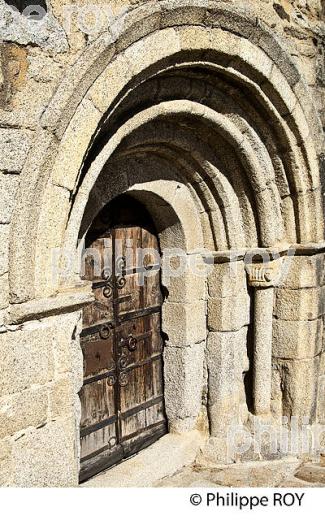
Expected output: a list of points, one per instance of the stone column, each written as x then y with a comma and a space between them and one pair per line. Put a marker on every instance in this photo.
262, 358
261, 277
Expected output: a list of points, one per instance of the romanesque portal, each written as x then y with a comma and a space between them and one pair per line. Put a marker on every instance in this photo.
195, 115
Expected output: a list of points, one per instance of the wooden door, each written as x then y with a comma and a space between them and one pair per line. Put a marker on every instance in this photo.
122, 401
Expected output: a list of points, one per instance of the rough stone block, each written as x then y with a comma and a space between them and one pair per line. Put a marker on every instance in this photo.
6, 466
322, 359
227, 361
4, 246
67, 329
39, 95
26, 358
145, 52
300, 121
303, 272
276, 392
194, 38
75, 85
75, 143
4, 291
3, 315
48, 35
296, 339
227, 279
298, 384
67, 352
235, 22
8, 188
137, 24
110, 83
252, 61
178, 12
310, 207
321, 400
187, 287
48, 267
185, 324
205, 221
14, 145
299, 304
277, 82
46, 457
183, 382
229, 448
19, 411
216, 451
270, 45
230, 313
311, 473
62, 397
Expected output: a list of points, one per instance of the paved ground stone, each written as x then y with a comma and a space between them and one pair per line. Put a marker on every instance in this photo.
280, 473
312, 473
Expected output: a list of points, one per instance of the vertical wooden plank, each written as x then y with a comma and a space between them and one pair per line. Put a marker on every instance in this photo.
97, 396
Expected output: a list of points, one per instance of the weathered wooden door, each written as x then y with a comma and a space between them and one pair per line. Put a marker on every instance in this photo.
122, 401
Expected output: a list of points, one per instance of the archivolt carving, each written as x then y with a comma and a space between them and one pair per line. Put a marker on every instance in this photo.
242, 132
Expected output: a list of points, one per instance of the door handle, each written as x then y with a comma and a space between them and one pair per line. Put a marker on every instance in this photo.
105, 330
130, 342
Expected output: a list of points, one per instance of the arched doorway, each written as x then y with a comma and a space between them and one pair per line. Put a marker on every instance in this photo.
231, 114
122, 398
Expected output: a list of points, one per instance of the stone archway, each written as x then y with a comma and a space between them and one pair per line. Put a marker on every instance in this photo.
260, 72
217, 103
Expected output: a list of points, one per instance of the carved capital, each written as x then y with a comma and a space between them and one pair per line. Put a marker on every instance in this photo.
264, 274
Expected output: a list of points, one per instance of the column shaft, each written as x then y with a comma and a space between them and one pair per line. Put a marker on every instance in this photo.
262, 361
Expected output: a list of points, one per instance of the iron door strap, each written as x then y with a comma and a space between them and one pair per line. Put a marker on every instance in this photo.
109, 280
126, 345
114, 280
121, 271
103, 330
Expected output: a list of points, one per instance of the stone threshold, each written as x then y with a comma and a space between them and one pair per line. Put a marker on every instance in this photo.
163, 459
